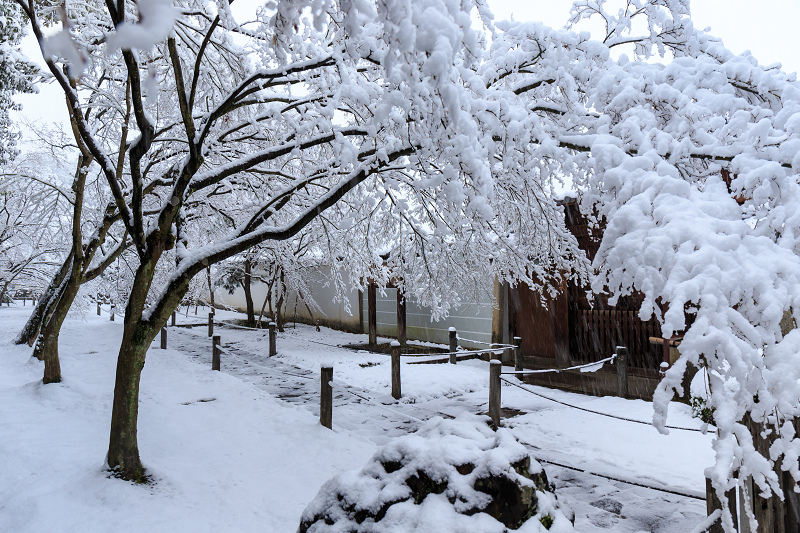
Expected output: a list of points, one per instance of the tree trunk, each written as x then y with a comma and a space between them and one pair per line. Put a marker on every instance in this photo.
3, 292
248, 295
279, 306
31, 329
47, 344
123, 448
264, 305
210, 288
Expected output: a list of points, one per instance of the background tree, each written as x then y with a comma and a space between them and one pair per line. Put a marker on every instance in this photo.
31, 221
17, 75
236, 273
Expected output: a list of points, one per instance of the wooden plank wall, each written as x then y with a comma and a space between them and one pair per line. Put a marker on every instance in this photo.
595, 333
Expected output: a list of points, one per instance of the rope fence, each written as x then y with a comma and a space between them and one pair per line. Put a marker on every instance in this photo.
328, 386
344, 388
694, 496
498, 344
462, 352
592, 411
595, 366
236, 326
496, 379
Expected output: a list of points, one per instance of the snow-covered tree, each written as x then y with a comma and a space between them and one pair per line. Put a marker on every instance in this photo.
694, 171
32, 207
314, 106
395, 127
17, 74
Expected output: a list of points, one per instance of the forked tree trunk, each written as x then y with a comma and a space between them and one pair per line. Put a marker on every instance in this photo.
31, 329
123, 449
47, 343
267, 298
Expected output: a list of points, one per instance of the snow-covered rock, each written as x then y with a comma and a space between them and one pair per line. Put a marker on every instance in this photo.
451, 476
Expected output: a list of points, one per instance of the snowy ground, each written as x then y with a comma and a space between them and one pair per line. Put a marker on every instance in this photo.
241, 449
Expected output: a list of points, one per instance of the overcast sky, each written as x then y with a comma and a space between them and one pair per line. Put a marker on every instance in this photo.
769, 31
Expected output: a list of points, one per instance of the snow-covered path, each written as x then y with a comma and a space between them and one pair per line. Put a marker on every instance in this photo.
253, 428
618, 449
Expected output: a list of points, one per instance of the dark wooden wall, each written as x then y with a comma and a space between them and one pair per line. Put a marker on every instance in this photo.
542, 327
570, 327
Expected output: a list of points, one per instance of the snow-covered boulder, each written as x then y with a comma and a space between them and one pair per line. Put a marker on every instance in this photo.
450, 476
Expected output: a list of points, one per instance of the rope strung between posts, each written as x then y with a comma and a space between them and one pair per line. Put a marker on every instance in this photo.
331, 345
634, 483
676, 492
221, 323
463, 352
498, 344
373, 402
298, 375
594, 412
557, 370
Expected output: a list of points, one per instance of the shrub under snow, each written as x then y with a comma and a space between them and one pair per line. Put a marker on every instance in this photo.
450, 476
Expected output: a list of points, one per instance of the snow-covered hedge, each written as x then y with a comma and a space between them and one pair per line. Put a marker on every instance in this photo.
451, 476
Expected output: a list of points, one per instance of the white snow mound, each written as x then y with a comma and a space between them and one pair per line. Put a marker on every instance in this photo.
442, 478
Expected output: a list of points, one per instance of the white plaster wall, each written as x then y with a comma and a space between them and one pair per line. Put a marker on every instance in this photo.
333, 313
472, 321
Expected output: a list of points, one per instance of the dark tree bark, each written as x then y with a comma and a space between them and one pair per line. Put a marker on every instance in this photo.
248, 295
31, 328
267, 298
210, 286
279, 318
123, 449
46, 348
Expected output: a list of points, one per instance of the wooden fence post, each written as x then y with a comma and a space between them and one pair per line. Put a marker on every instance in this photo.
713, 503
113, 310
396, 370
215, 353
495, 367
174, 313
401, 318
622, 371
98, 308
326, 397
372, 313
164, 338
210, 324
453, 345
273, 339
518, 354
